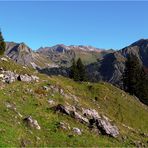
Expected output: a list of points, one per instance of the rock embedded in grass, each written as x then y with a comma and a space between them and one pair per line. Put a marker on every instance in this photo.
51, 102
32, 122
64, 126
91, 118
77, 131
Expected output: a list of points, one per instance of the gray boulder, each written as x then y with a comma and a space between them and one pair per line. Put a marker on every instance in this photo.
101, 122
91, 118
61, 108
77, 131
105, 127
32, 123
8, 76
24, 78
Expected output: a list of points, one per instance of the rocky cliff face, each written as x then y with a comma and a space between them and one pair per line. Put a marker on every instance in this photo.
22, 54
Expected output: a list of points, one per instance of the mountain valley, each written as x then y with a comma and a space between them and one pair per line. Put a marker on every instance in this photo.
46, 109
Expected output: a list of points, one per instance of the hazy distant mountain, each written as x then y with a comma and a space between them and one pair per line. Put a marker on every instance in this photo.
63, 55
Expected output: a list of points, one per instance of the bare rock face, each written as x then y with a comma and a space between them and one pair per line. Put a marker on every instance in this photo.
22, 54
91, 118
32, 123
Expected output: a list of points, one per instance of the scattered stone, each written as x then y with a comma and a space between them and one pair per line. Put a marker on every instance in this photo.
1, 76
24, 78
8, 76
46, 88
4, 59
12, 107
92, 118
24, 67
61, 108
27, 78
144, 134
61, 91
19, 114
77, 131
32, 123
51, 102
64, 126
35, 78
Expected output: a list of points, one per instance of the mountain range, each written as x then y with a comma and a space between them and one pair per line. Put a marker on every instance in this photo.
101, 64
38, 110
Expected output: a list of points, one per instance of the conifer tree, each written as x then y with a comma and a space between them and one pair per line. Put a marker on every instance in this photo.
81, 70
142, 93
74, 71
131, 74
77, 71
135, 79
2, 44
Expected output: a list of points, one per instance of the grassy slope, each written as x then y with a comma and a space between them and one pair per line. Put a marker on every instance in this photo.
114, 103
87, 58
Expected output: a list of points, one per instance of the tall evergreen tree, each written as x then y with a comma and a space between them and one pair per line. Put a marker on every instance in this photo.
77, 71
81, 70
131, 74
74, 71
143, 88
135, 79
2, 44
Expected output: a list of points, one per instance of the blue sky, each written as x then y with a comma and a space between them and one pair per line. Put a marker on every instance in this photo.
100, 24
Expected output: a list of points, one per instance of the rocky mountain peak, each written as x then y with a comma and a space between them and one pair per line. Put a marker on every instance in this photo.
22, 47
140, 42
